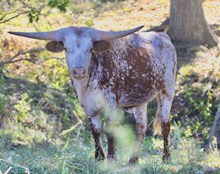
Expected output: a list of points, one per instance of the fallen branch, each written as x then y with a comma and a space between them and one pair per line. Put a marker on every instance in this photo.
214, 126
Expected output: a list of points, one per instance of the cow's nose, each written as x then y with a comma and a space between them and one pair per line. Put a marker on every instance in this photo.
79, 72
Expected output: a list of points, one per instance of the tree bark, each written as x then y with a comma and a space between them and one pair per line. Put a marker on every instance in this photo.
188, 24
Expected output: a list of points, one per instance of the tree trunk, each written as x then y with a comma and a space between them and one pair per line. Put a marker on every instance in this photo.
188, 24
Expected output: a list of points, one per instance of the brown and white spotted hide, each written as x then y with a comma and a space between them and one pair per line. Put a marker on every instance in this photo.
136, 69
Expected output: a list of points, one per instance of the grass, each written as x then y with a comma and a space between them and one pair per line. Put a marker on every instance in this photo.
77, 157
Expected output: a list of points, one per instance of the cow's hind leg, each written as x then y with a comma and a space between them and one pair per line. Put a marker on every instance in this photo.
96, 131
111, 155
140, 114
163, 121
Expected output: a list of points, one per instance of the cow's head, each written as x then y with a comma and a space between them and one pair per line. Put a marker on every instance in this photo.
78, 44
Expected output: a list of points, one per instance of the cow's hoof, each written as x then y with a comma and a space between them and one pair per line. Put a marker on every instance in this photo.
166, 158
111, 157
99, 156
133, 160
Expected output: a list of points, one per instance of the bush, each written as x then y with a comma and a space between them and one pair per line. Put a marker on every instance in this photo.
197, 98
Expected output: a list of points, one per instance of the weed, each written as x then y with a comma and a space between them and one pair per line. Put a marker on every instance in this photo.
3, 102
196, 92
23, 107
89, 22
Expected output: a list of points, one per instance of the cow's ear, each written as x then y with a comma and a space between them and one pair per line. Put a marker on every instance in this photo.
55, 46
102, 45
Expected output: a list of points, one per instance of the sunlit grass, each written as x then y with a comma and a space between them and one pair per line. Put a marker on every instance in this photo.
78, 157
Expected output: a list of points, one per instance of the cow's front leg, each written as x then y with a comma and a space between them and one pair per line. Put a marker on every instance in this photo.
140, 115
96, 131
111, 140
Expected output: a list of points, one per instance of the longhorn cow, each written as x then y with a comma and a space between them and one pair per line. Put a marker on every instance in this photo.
112, 71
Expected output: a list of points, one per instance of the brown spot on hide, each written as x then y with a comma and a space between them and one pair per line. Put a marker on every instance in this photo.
128, 73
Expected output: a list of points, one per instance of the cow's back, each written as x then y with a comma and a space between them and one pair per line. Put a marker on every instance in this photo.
134, 69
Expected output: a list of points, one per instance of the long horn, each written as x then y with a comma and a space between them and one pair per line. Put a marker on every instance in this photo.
109, 35
52, 35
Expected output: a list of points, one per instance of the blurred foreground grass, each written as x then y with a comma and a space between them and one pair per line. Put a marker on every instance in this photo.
77, 157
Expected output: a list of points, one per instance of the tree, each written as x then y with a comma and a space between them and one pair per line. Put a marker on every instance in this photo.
33, 9
188, 24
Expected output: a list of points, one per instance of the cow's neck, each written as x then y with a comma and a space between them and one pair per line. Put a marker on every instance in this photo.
91, 99
81, 87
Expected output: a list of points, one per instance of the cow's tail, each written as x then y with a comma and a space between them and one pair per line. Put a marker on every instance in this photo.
157, 123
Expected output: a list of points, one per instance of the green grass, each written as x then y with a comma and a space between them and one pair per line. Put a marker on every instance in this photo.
77, 157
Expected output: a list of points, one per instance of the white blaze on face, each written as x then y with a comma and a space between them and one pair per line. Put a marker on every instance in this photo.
77, 51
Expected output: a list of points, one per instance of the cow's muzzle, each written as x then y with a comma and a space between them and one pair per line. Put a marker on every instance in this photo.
79, 72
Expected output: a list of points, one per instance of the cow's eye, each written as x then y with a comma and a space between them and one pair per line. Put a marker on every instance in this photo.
64, 49
91, 50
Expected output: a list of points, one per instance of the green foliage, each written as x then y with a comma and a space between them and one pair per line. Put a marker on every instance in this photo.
40, 113
105, 1
3, 97
58, 75
3, 102
201, 107
77, 9
2, 81
23, 107
187, 153
60, 4
89, 22
34, 14
196, 91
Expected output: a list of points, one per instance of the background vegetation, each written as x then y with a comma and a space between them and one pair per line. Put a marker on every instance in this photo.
43, 128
